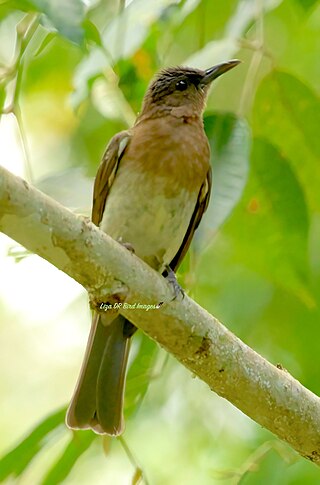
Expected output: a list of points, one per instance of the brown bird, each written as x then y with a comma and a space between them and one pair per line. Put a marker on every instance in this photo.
151, 190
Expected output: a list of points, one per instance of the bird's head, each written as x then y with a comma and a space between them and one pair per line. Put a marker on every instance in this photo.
183, 87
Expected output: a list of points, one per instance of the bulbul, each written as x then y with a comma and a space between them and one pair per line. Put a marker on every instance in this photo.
151, 190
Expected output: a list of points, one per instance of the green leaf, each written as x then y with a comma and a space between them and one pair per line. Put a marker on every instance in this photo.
17, 460
303, 107
229, 139
80, 442
271, 230
286, 201
287, 113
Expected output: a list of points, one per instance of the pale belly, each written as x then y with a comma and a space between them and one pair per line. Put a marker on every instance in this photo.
138, 211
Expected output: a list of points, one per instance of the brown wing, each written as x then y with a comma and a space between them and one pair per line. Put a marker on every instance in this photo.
200, 208
106, 173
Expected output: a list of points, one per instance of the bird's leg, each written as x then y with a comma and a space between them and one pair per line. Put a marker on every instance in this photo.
172, 279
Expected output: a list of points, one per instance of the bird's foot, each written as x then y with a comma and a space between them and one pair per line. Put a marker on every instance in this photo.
127, 245
172, 279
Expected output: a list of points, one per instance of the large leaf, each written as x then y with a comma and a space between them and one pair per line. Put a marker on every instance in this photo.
287, 113
17, 460
302, 106
286, 201
229, 139
271, 225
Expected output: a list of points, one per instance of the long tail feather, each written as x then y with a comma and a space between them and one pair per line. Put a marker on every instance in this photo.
98, 398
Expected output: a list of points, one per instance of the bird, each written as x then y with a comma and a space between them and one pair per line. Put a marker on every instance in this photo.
150, 192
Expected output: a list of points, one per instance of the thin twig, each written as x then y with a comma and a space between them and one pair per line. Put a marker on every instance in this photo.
132, 458
24, 142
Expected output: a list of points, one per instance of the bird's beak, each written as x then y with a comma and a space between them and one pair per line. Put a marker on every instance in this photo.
216, 71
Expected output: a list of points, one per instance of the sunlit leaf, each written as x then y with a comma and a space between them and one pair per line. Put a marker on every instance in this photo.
16, 461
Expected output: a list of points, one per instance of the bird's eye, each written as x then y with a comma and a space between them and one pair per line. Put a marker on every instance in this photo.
181, 85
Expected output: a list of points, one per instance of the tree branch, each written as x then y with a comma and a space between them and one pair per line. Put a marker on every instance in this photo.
270, 396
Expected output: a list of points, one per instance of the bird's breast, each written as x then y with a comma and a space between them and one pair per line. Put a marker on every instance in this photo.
172, 148
155, 191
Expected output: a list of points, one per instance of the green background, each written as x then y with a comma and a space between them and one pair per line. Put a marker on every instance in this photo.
72, 75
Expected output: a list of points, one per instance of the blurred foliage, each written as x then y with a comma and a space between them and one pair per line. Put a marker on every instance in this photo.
73, 74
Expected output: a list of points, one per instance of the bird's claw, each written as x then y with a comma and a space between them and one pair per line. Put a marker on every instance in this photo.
172, 279
126, 245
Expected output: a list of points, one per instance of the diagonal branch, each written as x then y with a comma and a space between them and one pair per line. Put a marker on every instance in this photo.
270, 396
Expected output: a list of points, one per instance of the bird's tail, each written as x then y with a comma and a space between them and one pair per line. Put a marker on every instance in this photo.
97, 401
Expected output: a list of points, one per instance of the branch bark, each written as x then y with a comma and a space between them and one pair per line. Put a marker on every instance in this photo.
267, 394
